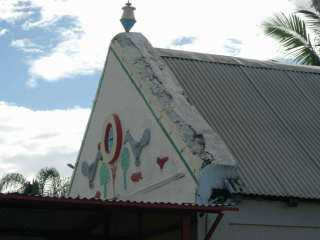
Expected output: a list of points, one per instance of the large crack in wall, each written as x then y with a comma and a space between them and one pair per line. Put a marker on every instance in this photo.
153, 75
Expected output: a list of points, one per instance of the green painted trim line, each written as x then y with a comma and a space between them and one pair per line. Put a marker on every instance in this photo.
89, 122
155, 116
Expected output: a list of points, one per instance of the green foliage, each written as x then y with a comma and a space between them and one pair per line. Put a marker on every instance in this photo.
312, 20
47, 183
48, 179
316, 5
31, 188
293, 34
13, 182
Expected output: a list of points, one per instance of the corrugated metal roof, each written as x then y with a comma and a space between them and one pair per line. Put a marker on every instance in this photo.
96, 203
268, 114
35, 217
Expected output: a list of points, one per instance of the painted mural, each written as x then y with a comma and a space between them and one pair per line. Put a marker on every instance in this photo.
104, 178
89, 170
138, 145
125, 151
112, 139
161, 161
125, 165
119, 159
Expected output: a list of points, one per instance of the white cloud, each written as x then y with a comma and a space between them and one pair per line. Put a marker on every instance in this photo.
14, 10
32, 139
232, 46
184, 40
72, 56
302, 3
3, 31
26, 45
83, 45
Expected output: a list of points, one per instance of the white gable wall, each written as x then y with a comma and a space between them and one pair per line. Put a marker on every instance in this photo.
140, 89
118, 95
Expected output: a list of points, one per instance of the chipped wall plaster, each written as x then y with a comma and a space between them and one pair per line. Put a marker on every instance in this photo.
119, 95
164, 93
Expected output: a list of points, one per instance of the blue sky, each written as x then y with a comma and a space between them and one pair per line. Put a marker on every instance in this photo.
52, 54
18, 47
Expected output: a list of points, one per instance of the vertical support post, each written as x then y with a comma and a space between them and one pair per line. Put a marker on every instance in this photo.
186, 227
214, 226
106, 233
140, 227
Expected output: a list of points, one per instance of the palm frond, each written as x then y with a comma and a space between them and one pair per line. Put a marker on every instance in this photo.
292, 34
31, 188
63, 188
12, 182
47, 178
312, 20
316, 5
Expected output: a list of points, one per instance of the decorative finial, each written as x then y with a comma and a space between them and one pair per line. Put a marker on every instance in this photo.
128, 19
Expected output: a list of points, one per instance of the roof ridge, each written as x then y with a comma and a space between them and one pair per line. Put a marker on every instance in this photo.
270, 127
236, 61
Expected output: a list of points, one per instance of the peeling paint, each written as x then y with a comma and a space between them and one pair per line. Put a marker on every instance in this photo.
163, 91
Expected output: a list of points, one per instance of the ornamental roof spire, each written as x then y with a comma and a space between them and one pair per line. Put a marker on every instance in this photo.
128, 19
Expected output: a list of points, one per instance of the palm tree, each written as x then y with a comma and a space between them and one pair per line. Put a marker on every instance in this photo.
316, 5
298, 33
47, 183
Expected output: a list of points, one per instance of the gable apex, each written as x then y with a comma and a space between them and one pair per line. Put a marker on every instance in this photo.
159, 85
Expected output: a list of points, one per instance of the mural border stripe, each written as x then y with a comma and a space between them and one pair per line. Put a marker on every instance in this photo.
155, 116
89, 121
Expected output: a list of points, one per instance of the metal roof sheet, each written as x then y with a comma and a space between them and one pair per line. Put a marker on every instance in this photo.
36, 217
113, 204
268, 114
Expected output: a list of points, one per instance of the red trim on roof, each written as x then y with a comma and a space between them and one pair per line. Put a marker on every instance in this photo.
85, 203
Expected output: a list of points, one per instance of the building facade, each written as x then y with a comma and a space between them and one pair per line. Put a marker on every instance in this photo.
173, 126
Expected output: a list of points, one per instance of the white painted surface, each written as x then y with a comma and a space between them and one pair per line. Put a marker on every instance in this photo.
256, 219
167, 97
259, 220
118, 95
178, 191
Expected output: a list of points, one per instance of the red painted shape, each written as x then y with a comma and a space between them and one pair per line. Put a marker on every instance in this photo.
161, 161
98, 194
136, 177
106, 138
119, 139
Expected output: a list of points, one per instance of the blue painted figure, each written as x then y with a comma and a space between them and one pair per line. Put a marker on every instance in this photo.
90, 170
137, 146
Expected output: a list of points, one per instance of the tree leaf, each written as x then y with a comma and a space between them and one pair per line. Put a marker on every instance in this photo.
48, 179
12, 182
316, 5
291, 32
312, 20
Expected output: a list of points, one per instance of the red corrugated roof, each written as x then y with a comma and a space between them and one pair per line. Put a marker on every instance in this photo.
93, 203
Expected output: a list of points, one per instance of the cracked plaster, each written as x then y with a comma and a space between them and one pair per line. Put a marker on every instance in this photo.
163, 92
